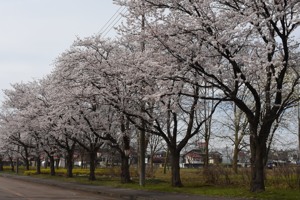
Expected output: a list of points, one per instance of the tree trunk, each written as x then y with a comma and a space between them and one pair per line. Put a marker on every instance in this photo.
206, 150
52, 166
175, 168
235, 158
151, 164
1, 164
69, 158
65, 162
26, 158
82, 161
57, 163
257, 165
92, 176
27, 166
46, 162
166, 161
142, 156
38, 165
12, 164
125, 173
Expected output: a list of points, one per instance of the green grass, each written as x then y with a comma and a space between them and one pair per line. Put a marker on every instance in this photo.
193, 180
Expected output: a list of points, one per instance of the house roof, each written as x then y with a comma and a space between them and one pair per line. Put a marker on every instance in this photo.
200, 152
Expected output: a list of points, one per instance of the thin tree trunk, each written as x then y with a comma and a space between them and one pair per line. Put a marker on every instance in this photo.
166, 162
52, 167
142, 156
1, 164
65, 162
46, 162
206, 158
235, 158
82, 160
12, 164
57, 163
26, 158
38, 165
151, 164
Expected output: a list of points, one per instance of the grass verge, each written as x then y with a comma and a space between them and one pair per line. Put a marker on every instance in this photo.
192, 180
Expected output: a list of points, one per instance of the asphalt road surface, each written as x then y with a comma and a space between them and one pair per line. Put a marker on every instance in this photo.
11, 189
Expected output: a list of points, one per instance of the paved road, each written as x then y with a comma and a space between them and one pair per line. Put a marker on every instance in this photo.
11, 189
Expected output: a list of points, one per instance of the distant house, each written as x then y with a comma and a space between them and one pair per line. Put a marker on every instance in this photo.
243, 159
195, 158
215, 158
159, 159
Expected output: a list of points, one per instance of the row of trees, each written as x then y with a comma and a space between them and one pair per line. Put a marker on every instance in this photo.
172, 65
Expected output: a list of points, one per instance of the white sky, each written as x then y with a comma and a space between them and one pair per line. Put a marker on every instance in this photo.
34, 32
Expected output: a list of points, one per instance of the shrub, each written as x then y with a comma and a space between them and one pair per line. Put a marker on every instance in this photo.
217, 175
287, 176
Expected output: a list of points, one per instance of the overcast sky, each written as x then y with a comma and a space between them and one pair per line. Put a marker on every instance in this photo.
34, 32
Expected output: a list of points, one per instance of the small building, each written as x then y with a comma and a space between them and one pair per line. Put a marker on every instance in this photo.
195, 158
159, 159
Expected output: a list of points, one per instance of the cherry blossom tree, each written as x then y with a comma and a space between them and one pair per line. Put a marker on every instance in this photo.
159, 105
18, 119
75, 114
27, 105
7, 149
233, 45
58, 130
83, 71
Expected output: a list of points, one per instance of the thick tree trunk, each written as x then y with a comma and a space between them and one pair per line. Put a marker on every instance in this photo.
38, 165
27, 165
92, 175
175, 168
257, 165
69, 158
125, 173
52, 166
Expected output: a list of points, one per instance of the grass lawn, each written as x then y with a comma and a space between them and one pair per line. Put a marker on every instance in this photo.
227, 185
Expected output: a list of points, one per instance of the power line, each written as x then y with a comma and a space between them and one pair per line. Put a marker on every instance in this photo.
120, 17
101, 30
112, 21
